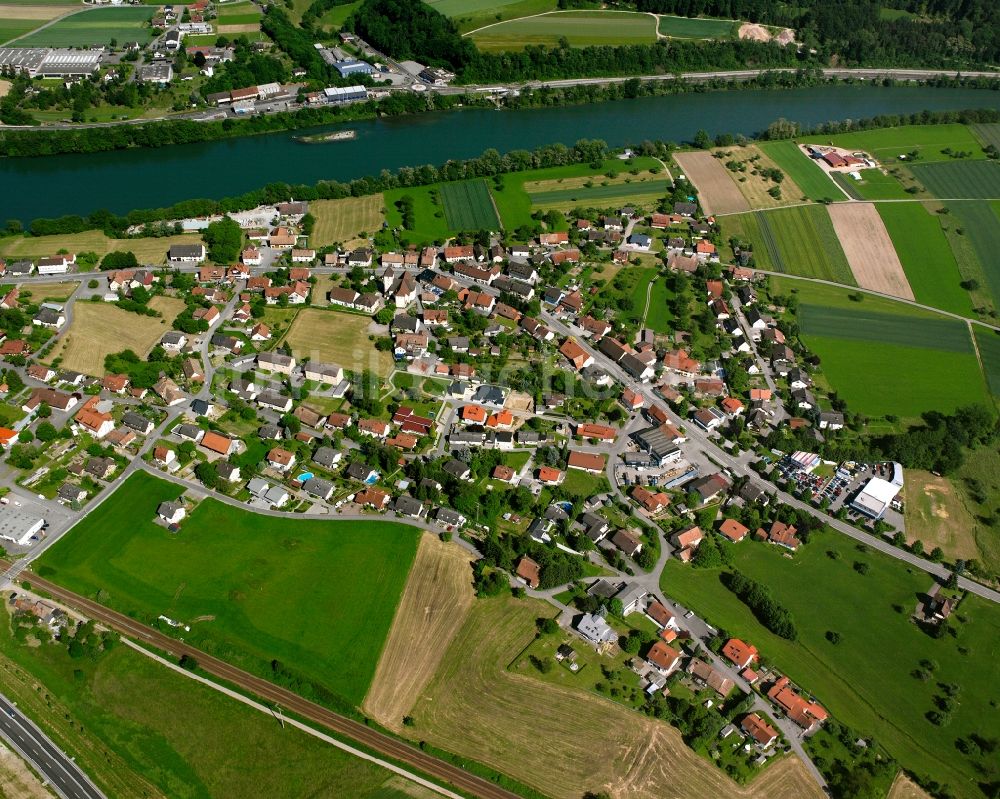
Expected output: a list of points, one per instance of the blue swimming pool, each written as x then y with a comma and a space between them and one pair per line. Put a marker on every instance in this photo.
372, 479
305, 476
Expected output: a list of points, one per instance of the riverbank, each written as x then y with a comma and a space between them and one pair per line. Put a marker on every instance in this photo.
131, 179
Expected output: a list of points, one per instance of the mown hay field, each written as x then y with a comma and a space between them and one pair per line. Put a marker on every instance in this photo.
337, 337
343, 220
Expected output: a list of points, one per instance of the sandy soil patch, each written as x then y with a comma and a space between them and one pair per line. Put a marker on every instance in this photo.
936, 514
246, 27
753, 186
869, 249
563, 741
760, 33
718, 192
905, 788
434, 606
35, 12
5, 87
99, 329
17, 781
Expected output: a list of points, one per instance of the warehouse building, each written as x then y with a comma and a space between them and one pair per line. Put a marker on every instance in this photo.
18, 526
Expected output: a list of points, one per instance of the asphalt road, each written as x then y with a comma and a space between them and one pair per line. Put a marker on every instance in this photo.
61, 773
380, 742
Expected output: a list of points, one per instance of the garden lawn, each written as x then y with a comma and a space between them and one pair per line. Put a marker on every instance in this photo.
972, 180
318, 596
579, 28
658, 316
97, 26
583, 484
697, 28
802, 241
813, 181
928, 261
139, 729
886, 144
866, 680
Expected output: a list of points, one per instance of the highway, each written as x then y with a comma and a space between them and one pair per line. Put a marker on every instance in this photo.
384, 744
56, 768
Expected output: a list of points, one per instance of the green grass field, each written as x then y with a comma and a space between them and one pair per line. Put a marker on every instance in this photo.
928, 261
972, 180
745, 228
12, 28
987, 133
866, 681
801, 241
515, 204
238, 14
988, 342
468, 206
874, 185
139, 729
430, 224
658, 316
887, 144
337, 16
885, 364
97, 26
579, 28
697, 28
980, 224
612, 195
813, 181
317, 595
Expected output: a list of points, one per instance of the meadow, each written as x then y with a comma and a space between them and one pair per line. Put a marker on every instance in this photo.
614, 195
746, 229
238, 14
100, 329
948, 335
811, 180
697, 27
874, 185
929, 263
802, 241
318, 596
97, 26
336, 337
337, 16
139, 729
972, 180
546, 735
869, 680
344, 220
469, 15
515, 199
148, 250
13, 28
430, 225
468, 206
579, 28
980, 228
988, 342
887, 144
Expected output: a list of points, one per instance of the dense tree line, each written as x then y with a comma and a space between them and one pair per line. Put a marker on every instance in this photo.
665, 56
755, 596
412, 29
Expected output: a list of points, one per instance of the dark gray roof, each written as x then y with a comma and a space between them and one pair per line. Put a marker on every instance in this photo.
136, 421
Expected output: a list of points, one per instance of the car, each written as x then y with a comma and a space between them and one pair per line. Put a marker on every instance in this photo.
689, 614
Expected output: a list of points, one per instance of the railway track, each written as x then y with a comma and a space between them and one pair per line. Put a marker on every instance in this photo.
377, 741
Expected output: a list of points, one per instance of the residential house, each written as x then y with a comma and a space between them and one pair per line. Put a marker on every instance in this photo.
664, 658
586, 461
706, 674
733, 530
764, 734
686, 541
741, 654
804, 713
528, 572
629, 544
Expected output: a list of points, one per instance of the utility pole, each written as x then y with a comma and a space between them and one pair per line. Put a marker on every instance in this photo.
280, 719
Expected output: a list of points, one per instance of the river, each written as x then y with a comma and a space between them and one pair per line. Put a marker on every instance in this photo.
123, 180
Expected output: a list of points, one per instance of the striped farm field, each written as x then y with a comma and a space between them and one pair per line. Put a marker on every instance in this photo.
927, 259
746, 229
469, 206
988, 133
980, 225
988, 342
949, 335
972, 180
96, 26
802, 241
812, 181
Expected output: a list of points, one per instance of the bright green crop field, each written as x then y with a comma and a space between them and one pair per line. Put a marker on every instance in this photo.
867, 680
97, 26
980, 226
319, 596
928, 261
467, 205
